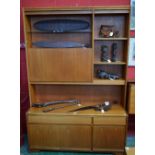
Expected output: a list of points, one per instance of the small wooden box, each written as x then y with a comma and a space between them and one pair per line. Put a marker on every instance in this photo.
131, 99
130, 151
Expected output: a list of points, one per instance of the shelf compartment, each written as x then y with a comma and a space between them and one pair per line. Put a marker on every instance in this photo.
38, 18
81, 36
118, 21
111, 69
116, 110
120, 51
92, 94
109, 63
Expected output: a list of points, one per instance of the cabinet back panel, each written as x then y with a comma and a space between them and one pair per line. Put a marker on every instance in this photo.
86, 94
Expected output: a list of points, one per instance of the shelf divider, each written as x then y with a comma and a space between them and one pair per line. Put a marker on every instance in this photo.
109, 63
94, 82
106, 39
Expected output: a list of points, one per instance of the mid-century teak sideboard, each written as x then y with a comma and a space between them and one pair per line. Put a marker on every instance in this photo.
61, 72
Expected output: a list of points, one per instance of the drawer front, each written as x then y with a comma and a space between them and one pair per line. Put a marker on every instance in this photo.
110, 120
59, 119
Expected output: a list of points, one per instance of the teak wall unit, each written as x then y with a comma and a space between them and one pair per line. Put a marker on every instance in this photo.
66, 73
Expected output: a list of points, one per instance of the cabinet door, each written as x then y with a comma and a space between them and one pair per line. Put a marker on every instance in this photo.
59, 137
60, 65
108, 138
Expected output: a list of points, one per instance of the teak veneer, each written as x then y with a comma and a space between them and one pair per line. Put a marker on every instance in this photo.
67, 73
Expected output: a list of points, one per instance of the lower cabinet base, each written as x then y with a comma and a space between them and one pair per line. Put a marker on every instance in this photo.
80, 133
119, 153
113, 153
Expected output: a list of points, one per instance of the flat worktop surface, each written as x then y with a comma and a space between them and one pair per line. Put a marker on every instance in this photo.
116, 110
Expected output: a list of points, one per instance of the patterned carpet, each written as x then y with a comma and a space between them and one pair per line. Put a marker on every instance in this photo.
24, 149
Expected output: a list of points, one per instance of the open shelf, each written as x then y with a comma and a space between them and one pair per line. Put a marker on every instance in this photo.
109, 63
121, 50
99, 39
95, 82
108, 82
116, 110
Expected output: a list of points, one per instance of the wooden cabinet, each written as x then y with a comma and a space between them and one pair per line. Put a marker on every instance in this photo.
64, 65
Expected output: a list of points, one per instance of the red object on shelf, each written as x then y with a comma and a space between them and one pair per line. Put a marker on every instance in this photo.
132, 33
131, 73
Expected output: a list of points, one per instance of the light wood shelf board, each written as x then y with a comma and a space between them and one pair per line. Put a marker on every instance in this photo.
94, 82
109, 63
106, 39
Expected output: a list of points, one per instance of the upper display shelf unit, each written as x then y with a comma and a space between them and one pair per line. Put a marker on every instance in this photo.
69, 28
83, 45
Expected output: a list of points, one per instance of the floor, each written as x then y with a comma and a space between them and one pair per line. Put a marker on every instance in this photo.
24, 149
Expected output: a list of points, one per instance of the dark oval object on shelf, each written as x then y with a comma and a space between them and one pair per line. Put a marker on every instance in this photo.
61, 25
64, 44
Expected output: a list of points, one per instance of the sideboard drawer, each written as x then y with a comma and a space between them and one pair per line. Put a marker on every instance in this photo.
59, 119
110, 120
